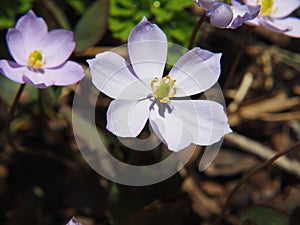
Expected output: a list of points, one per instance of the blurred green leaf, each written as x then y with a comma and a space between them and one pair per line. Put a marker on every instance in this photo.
92, 25
265, 215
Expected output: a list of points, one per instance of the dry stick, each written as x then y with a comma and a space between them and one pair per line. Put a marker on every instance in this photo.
251, 173
11, 113
197, 27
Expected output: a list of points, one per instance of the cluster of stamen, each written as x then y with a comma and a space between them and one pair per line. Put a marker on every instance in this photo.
162, 91
35, 60
267, 7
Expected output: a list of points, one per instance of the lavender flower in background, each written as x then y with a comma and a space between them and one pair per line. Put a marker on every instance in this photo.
141, 93
40, 56
228, 14
274, 16
73, 221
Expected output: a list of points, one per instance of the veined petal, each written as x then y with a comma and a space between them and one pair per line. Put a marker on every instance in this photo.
126, 118
68, 73
110, 74
37, 79
293, 25
16, 46
196, 71
56, 47
12, 70
242, 13
283, 8
147, 49
33, 29
167, 123
206, 120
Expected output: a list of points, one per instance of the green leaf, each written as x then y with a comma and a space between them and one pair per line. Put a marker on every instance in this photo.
178, 5
265, 215
92, 25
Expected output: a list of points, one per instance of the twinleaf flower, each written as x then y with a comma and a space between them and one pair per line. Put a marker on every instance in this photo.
40, 56
274, 15
228, 13
142, 93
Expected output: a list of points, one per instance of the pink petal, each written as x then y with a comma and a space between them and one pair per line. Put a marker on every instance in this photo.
126, 118
33, 30
16, 46
12, 70
147, 49
56, 47
111, 75
37, 79
284, 8
66, 74
196, 71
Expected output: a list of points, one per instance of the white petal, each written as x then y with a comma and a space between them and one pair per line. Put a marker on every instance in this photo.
111, 75
284, 8
37, 79
292, 24
196, 71
167, 123
206, 120
147, 49
127, 118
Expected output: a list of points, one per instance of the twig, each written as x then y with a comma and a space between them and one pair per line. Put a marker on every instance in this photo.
197, 27
251, 173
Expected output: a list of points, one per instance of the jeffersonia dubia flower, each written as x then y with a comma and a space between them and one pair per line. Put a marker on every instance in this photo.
73, 221
141, 92
40, 56
274, 15
228, 13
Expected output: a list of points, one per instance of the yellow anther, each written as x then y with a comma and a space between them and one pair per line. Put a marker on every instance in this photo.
267, 7
162, 91
35, 60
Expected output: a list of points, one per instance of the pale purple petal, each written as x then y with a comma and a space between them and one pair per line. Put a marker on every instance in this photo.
274, 24
283, 8
73, 221
16, 47
126, 118
37, 79
110, 74
254, 22
196, 71
147, 49
33, 30
206, 120
207, 4
68, 73
12, 70
221, 15
243, 13
293, 25
167, 123
57, 47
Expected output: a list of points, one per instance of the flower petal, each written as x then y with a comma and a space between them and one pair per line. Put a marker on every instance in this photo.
207, 4
68, 73
196, 71
242, 13
291, 23
206, 120
12, 70
33, 30
37, 79
57, 47
111, 75
147, 49
126, 118
167, 123
221, 16
16, 47
73, 221
283, 8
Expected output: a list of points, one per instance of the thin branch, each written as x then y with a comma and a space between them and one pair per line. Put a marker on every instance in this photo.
195, 31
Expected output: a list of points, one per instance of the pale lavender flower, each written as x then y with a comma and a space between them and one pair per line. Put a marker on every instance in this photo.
274, 15
141, 92
40, 56
73, 221
229, 13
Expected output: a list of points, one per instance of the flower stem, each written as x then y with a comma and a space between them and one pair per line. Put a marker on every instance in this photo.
195, 31
250, 174
11, 113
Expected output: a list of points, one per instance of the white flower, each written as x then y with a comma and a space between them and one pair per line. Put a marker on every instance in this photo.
141, 92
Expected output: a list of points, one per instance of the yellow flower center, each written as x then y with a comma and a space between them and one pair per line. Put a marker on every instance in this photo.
162, 91
267, 7
35, 59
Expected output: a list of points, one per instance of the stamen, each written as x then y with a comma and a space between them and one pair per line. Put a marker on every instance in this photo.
35, 60
162, 91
